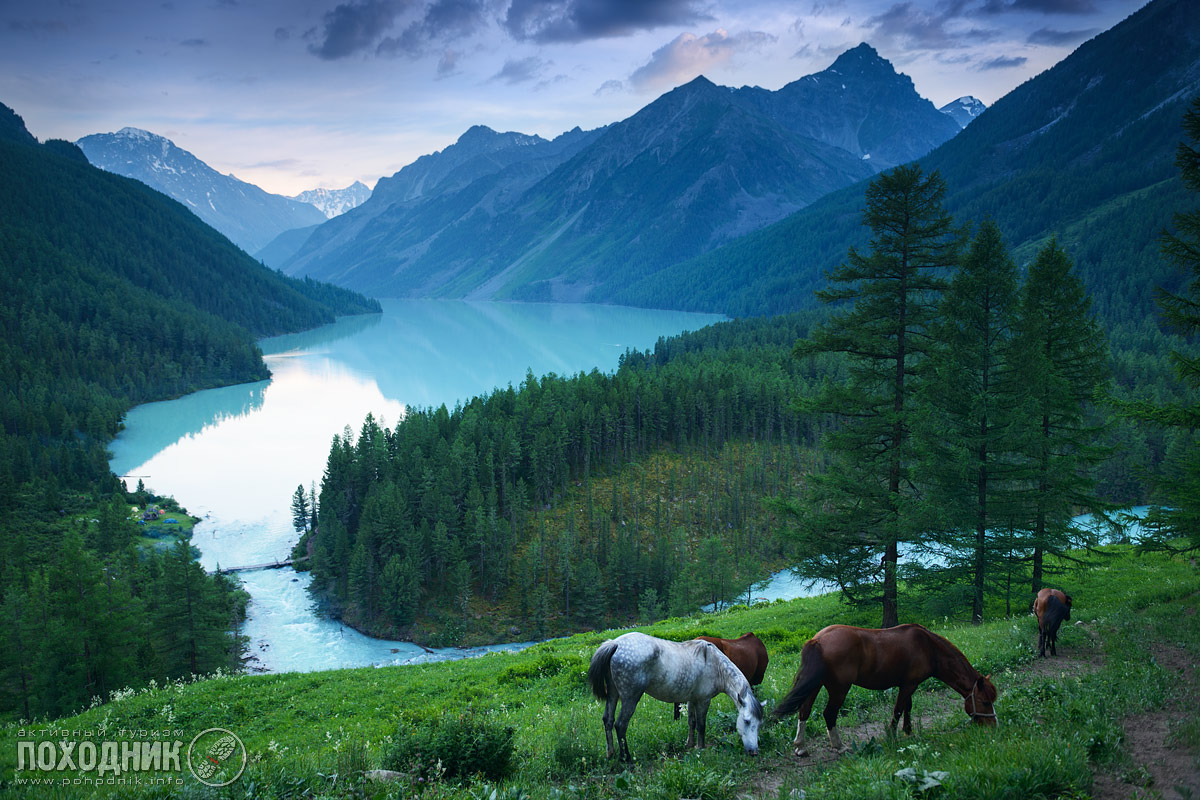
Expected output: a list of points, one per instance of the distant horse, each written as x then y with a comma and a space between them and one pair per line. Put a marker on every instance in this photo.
1052, 608
747, 652
840, 656
691, 672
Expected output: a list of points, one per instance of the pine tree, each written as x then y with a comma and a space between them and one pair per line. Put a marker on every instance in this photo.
1065, 358
975, 394
865, 506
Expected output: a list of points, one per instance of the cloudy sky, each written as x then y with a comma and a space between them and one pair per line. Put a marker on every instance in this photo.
294, 94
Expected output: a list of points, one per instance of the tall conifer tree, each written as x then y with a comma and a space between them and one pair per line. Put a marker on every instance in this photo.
1065, 358
858, 514
975, 395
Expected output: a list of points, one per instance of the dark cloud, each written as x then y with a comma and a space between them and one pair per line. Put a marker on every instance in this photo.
355, 26
910, 26
520, 70
687, 56
195, 43
283, 34
1055, 38
579, 20
1040, 6
609, 87
442, 21
1002, 62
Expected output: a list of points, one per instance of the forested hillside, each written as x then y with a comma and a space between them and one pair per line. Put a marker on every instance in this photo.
1083, 151
114, 295
526, 502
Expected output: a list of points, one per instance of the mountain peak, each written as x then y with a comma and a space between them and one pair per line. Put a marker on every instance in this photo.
477, 133
137, 133
964, 109
861, 59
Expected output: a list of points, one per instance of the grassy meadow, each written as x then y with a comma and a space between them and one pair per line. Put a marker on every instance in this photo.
534, 730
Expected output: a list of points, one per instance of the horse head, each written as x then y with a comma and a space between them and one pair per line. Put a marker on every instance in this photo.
750, 716
979, 703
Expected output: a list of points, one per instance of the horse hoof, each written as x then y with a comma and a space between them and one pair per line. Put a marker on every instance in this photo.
800, 752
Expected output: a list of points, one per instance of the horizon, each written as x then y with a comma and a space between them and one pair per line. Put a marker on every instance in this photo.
298, 96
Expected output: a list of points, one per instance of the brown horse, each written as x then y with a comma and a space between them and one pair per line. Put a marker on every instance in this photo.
1051, 607
748, 654
840, 656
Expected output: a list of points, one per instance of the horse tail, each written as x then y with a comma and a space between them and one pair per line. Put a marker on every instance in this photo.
598, 675
808, 680
1056, 612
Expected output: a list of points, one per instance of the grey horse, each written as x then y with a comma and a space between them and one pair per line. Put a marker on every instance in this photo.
692, 672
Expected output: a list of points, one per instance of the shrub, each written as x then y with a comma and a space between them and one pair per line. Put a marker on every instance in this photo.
455, 746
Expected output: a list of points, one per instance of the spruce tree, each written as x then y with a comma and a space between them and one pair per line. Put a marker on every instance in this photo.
300, 510
975, 394
857, 514
1064, 356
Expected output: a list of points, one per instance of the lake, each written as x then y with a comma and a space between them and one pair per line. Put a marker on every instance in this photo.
234, 456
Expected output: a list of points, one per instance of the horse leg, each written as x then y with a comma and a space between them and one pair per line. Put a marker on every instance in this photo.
1041, 642
903, 706
798, 746
1053, 643
906, 693
837, 696
698, 709
610, 711
628, 706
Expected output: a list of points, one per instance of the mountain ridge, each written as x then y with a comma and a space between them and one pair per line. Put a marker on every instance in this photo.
1043, 160
697, 166
249, 216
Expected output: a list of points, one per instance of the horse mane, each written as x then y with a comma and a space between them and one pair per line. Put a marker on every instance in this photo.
950, 659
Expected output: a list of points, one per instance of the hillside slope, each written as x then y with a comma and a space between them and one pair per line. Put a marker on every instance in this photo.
697, 167
247, 215
114, 295
1084, 151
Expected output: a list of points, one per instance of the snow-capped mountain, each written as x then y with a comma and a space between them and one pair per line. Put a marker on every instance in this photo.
248, 216
332, 202
963, 110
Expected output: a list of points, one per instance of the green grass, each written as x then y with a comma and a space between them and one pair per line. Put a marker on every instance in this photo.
313, 734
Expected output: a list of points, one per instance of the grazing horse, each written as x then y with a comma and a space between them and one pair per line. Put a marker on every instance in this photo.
840, 656
691, 672
747, 652
1051, 607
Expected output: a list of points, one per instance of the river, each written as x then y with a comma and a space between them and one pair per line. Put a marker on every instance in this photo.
234, 456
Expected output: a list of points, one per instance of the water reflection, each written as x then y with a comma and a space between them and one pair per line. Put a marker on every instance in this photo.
234, 456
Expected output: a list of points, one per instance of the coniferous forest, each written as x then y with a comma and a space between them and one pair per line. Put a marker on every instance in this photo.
949, 413
114, 295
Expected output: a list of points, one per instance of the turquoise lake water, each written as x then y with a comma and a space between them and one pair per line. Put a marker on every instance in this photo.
234, 456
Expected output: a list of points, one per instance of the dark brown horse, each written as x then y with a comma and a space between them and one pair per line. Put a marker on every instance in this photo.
748, 654
840, 656
1052, 607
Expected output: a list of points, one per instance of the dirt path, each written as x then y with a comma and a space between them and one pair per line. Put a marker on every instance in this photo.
1163, 768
